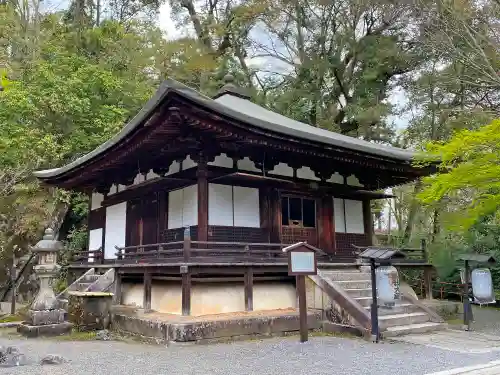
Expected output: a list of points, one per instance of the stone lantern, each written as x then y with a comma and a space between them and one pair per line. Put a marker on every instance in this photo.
45, 317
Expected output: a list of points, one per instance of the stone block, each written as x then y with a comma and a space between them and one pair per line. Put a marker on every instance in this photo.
44, 317
90, 311
32, 331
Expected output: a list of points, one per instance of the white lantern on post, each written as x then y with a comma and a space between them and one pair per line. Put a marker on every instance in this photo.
387, 285
482, 285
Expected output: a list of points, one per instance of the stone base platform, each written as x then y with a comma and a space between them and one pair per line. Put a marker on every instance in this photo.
170, 329
44, 330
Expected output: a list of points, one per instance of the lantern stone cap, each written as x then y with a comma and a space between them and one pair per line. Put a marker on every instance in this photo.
480, 258
48, 243
301, 246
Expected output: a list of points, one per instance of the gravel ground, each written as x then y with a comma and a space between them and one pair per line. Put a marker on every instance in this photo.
486, 320
284, 356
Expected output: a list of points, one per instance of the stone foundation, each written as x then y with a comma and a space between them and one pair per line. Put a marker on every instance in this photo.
201, 331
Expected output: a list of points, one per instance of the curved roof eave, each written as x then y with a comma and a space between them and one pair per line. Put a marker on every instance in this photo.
282, 125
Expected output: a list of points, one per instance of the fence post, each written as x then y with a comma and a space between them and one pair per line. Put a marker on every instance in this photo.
187, 244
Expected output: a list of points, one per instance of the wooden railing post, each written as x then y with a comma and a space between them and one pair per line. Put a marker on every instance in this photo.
187, 244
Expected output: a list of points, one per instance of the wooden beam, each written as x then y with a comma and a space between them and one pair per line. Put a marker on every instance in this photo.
202, 200
147, 290
186, 293
249, 289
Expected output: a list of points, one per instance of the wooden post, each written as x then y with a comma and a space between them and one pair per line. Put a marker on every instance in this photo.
368, 221
202, 199
147, 290
187, 244
249, 289
274, 216
428, 283
13, 285
326, 225
117, 294
186, 291
301, 291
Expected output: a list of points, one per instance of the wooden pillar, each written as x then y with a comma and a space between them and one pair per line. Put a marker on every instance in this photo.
202, 199
368, 221
249, 289
264, 211
326, 231
147, 290
428, 282
274, 216
186, 291
117, 291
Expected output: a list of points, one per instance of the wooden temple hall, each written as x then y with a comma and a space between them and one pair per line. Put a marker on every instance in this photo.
195, 198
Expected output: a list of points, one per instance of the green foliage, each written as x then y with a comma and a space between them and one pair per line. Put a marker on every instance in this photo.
469, 181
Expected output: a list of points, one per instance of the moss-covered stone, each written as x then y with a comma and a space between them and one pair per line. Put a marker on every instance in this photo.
89, 311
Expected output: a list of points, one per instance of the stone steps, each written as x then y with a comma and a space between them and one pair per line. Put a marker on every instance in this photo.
401, 319
413, 328
404, 319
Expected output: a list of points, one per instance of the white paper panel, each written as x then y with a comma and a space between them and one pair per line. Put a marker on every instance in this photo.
175, 209
354, 216
190, 206
220, 204
96, 201
95, 241
115, 229
338, 212
246, 207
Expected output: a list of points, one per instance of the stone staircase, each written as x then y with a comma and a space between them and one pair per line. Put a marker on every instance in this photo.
404, 318
90, 281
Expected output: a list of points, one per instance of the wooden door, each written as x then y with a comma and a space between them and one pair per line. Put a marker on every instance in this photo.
298, 219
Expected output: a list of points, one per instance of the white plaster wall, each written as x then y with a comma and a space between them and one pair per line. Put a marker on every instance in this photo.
246, 164
338, 213
188, 163
352, 220
212, 298
183, 207
174, 168
246, 207
336, 178
151, 175
222, 160
307, 173
233, 206
96, 201
116, 216
352, 180
282, 169
354, 216
220, 205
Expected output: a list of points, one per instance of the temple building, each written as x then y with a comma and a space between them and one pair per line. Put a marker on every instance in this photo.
193, 200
